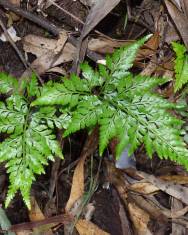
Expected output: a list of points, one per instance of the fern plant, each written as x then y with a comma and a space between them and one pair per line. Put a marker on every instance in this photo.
30, 139
123, 105
181, 66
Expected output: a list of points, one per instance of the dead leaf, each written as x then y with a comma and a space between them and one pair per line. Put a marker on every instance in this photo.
15, 2
144, 188
150, 47
105, 45
35, 214
178, 179
77, 188
179, 20
85, 227
97, 13
177, 229
140, 219
49, 52
150, 206
170, 188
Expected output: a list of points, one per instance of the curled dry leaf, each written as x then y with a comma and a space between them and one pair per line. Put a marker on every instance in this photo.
85, 227
144, 187
49, 52
140, 219
170, 188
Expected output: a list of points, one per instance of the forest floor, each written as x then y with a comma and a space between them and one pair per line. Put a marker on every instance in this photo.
84, 193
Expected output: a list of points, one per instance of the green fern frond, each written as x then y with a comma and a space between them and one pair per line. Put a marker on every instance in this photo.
30, 145
32, 86
67, 93
123, 105
86, 115
123, 58
181, 66
7, 83
93, 77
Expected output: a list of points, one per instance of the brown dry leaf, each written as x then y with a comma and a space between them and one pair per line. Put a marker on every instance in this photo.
97, 13
35, 214
104, 45
15, 2
144, 187
170, 188
177, 229
150, 47
85, 227
178, 179
140, 219
77, 188
179, 19
49, 52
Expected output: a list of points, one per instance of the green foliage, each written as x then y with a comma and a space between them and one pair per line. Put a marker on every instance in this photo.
123, 105
181, 66
30, 141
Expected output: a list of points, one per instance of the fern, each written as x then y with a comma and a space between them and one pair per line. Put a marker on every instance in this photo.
181, 66
31, 141
123, 105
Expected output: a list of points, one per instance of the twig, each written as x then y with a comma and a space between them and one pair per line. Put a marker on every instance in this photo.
8, 37
64, 219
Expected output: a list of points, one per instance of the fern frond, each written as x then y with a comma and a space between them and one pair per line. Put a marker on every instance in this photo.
122, 105
29, 147
32, 86
123, 58
67, 93
93, 77
139, 84
86, 115
181, 66
7, 83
